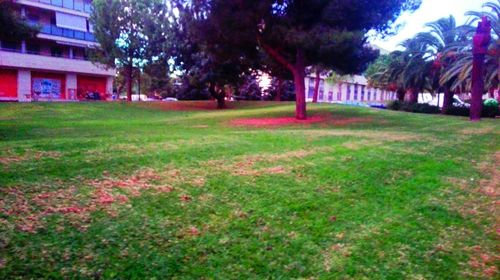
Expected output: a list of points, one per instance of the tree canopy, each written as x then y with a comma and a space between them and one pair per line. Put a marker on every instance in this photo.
294, 33
13, 27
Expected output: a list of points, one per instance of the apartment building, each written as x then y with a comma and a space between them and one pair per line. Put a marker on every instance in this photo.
53, 66
350, 89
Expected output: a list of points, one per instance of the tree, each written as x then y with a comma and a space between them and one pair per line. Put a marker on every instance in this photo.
13, 27
459, 73
120, 27
297, 33
442, 35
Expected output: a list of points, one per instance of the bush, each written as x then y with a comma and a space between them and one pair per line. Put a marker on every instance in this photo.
422, 108
458, 111
491, 103
397, 105
488, 111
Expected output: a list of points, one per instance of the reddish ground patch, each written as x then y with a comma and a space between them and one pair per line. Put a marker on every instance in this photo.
282, 121
286, 121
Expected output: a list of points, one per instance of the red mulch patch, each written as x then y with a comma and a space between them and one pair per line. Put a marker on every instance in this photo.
286, 121
282, 121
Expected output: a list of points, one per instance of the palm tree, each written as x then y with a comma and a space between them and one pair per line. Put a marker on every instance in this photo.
459, 73
386, 71
442, 35
417, 68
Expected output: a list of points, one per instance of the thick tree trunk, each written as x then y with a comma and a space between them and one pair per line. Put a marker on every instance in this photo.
477, 87
401, 94
299, 74
447, 100
413, 98
219, 95
279, 90
221, 102
316, 87
130, 69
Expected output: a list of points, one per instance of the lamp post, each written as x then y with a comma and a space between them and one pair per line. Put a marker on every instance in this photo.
480, 48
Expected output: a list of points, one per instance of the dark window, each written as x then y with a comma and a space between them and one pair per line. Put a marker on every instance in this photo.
33, 48
11, 46
310, 92
321, 90
56, 51
33, 18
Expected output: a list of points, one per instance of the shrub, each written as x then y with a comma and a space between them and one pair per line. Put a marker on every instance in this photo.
423, 108
490, 108
491, 103
395, 105
488, 111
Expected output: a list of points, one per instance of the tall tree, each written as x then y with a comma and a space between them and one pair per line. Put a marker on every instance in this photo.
12, 26
300, 33
120, 26
459, 73
442, 35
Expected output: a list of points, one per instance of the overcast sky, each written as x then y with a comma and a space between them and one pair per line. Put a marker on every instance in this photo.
430, 10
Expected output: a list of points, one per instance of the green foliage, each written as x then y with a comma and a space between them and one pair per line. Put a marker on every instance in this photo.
491, 102
13, 28
424, 108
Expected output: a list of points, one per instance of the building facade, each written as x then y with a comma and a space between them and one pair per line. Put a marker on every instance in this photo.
353, 89
53, 66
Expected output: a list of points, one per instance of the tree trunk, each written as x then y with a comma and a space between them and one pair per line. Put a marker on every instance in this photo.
413, 99
221, 102
299, 73
477, 87
130, 69
219, 95
139, 83
316, 87
401, 94
279, 90
447, 100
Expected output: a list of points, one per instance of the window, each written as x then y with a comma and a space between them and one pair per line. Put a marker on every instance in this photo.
71, 22
356, 92
322, 90
310, 91
33, 48
11, 46
56, 52
33, 18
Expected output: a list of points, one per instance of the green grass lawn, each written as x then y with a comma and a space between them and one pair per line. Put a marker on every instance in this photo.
136, 191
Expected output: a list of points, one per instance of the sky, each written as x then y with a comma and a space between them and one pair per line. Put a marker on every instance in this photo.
430, 10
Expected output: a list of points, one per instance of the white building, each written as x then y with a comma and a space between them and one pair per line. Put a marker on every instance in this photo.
353, 89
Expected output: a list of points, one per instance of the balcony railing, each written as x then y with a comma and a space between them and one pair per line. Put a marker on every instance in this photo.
80, 6
17, 50
65, 32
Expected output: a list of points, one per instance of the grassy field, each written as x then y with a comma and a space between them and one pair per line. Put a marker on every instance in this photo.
179, 191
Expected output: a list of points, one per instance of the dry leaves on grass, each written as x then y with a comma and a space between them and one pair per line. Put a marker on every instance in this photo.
29, 155
28, 212
480, 202
247, 165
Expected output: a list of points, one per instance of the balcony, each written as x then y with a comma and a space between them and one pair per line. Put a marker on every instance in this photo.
75, 5
67, 33
16, 59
